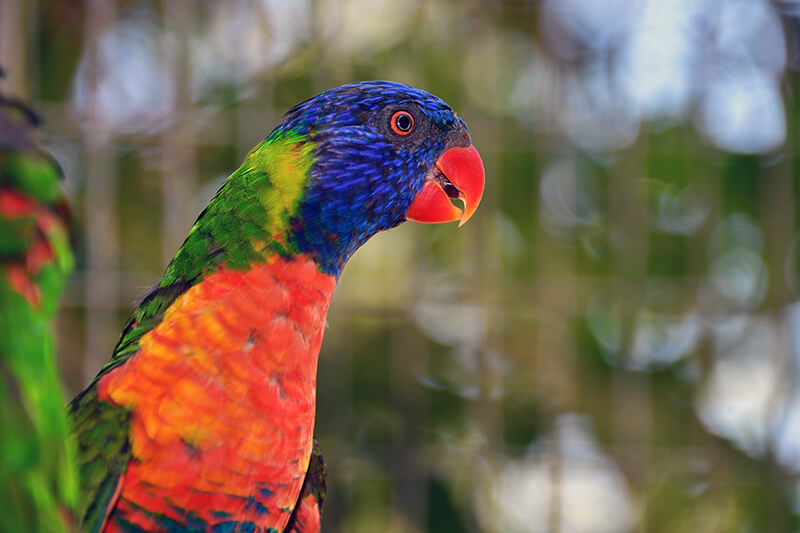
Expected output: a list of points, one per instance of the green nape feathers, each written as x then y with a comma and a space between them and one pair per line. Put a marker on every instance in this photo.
38, 483
233, 229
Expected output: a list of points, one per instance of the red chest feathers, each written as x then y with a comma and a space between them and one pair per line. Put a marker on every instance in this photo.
223, 394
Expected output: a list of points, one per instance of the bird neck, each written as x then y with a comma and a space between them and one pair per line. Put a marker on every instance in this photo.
249, 219
246, 225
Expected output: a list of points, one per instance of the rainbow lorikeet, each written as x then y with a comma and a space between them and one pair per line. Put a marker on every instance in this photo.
203, 418
38, 479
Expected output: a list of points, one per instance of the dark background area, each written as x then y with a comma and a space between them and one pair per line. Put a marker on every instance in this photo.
611, 344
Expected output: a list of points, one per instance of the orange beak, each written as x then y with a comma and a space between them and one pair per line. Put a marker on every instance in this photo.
457, 175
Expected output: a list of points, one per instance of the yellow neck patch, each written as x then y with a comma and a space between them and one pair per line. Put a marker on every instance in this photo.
286, 162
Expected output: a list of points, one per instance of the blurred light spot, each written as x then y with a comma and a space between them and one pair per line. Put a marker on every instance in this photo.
596, 24
362, 27
660, 340
245, 38
742, 111
596, 112
445, 317
787, 428
737, 230
747, 32
566, 474
592, 105
740, 276
727, 333
737, 272
125, 87
680, 212
567, 200
461, 371
787, 434
604, 318
729, 56
742, 389
657, 57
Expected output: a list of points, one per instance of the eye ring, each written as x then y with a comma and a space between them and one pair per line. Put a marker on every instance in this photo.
402, 122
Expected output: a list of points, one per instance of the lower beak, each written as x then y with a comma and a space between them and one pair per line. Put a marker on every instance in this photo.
457, 176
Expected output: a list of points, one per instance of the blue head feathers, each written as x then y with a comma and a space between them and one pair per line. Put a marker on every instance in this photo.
374, 143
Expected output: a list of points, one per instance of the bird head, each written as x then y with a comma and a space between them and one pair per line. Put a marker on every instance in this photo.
371, 155
340, 167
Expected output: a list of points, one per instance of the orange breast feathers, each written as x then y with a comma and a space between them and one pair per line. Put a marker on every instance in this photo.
223, 394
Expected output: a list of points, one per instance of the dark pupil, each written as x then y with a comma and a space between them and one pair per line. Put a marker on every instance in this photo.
403, 122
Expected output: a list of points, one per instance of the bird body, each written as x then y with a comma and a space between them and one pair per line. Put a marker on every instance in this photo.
38, 482
203, 419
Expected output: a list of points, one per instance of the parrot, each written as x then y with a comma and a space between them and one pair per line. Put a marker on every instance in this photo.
203, 418
38, 474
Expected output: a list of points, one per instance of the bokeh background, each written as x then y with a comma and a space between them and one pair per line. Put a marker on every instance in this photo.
612, 343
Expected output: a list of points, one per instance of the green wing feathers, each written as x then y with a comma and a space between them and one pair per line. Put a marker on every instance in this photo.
103, 452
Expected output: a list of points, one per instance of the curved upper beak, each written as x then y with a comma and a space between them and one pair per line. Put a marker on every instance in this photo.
457, 175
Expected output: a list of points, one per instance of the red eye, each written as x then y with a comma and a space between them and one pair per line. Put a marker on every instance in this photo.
402, 123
